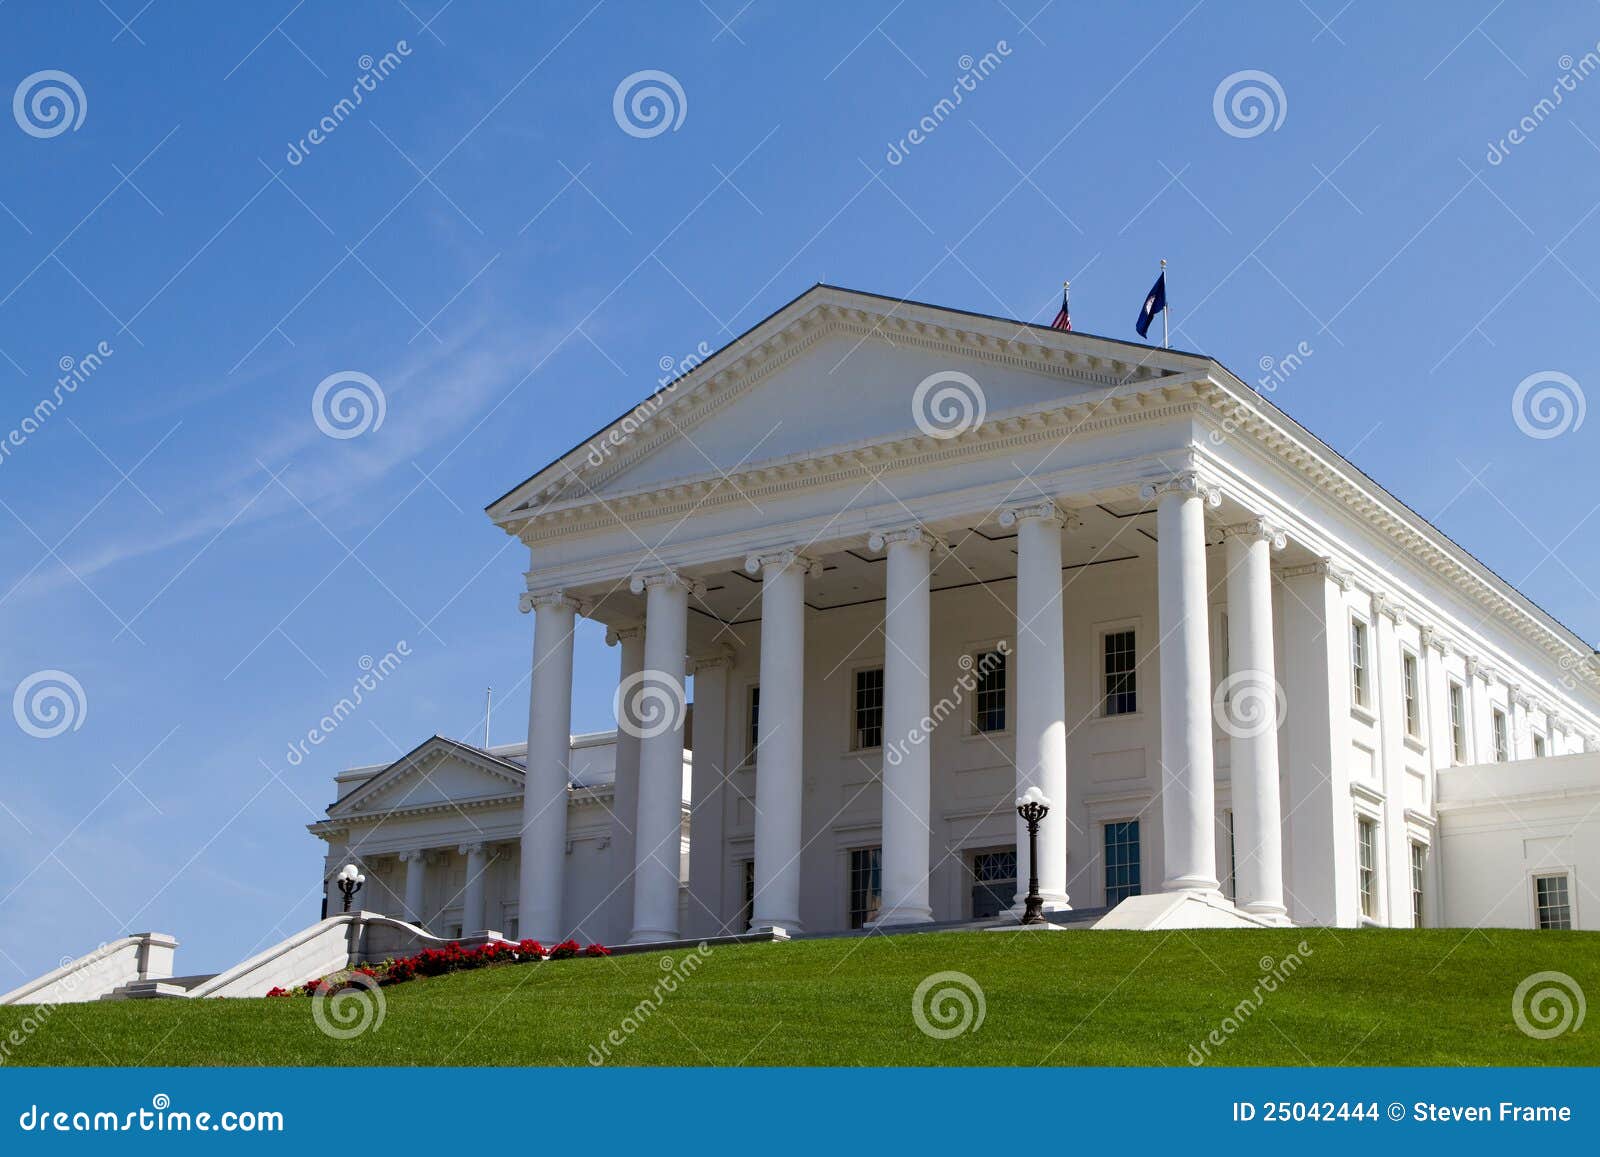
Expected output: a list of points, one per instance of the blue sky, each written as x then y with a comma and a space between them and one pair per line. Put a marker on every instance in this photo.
484, 240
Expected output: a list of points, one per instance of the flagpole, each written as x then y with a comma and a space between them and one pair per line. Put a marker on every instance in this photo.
1166, 313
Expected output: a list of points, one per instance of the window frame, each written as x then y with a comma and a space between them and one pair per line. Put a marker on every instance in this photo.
752, 732
1541, 745
1360, 647
1007, 670
1411, 714
1419, 883
850, 874
1136, 886
969, 864
1500, 733
853, 708
1103, 634
1567, 891
1456, 699
1368, 871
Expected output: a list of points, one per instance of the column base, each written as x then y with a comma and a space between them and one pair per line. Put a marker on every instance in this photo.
779, 927
1200, 884
652, 935
1274, 914
901, 916
1053, 902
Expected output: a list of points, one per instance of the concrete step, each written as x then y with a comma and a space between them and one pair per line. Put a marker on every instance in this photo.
147, 990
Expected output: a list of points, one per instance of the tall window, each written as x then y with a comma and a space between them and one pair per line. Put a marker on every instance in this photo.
1538, 746
1121, 677
1458, 722
994, 882
868, 730
747, 913
1358, 662
1554, 907
1419, 863
1232, 882
1367, 859
866, 885
989, 703
1122, 861
1413, 704
1502, 739
753, 740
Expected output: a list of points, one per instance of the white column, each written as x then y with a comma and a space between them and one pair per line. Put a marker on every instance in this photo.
907, 768
625, 792
1480, 729
1041, 696
416, 880
1188, 791
1248, 709
658, 711
1388, 699
708, 798
544, 802
781, 737
472, 919
1520, 738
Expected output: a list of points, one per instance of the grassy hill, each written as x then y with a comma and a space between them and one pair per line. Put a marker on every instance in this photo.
1371, 997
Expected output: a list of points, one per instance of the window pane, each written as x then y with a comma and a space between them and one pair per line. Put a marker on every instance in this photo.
1367, 859
1554, 906
1358, 662
1419, 859
1121, 677
1122, 861
1408, 667
989, 705
869, 709
866, 887
1458, 723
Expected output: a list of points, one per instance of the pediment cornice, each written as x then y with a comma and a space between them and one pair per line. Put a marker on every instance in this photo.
421, 761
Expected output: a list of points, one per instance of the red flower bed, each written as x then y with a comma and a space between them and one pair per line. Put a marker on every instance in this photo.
451, 958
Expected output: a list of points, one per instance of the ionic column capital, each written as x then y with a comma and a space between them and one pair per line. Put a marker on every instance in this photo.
615, 635
532, 600
916, 534
719, 659
640, 583
1323, 567
783, 558
1257, 530
475, 849
1045, 509
408, 856
1383, 604
1186, 482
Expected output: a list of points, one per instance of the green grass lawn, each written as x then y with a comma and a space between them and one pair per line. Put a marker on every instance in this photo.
1367, 997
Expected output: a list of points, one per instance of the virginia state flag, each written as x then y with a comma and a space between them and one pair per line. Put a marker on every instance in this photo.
1153, 304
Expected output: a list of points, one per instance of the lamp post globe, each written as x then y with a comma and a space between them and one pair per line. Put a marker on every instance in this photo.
349, 880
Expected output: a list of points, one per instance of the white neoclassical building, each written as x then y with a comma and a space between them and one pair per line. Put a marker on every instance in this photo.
910, 561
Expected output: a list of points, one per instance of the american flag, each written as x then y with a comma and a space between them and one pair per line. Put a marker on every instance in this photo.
1063, 319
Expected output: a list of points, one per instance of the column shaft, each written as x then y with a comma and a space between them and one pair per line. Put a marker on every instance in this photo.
472, 914
1251, 720
1041, 701
416, 882
907, 766
1188, 792
780, 745
625, 798
544, 803
658, 854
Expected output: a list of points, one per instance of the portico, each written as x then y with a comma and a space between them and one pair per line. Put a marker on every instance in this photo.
909, 563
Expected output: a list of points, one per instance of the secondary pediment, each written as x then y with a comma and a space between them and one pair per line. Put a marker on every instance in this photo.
437, 771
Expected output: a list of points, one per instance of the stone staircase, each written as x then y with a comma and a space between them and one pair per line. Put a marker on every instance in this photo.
154, 989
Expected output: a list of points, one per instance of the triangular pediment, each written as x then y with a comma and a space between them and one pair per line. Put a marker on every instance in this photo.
437, 771
833, 368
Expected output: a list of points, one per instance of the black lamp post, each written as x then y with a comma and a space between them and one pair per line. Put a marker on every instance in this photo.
350, 881
1033, 807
